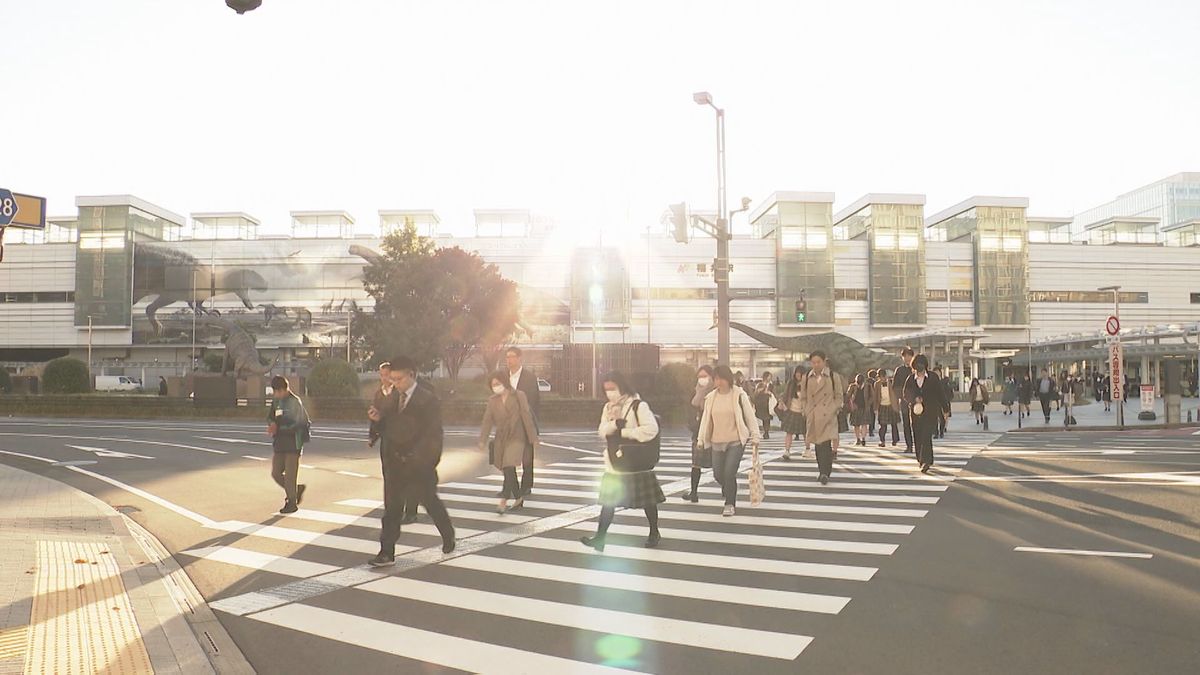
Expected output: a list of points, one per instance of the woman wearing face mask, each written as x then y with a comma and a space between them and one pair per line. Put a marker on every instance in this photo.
728, 426
822, 401
792, 417
626, 417
508, 412
926, 398
701, 456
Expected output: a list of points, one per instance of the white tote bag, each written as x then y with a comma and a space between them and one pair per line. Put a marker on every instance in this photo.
758, 489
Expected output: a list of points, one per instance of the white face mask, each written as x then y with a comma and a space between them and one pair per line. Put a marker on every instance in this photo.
498, 389
613, 395
703, 381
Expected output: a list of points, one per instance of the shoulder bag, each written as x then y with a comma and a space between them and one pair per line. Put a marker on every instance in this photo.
629, 456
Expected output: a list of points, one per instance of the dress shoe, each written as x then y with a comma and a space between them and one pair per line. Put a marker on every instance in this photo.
448, 546
519, 503
382, 560
300, 494
653, 539
596, 542
690, 496
824, 479
289, 507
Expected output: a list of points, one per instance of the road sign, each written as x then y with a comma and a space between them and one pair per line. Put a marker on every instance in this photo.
1147, 391
1113, 325
1116, 365
20, 210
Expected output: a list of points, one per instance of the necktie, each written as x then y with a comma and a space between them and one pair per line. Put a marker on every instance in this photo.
403, 400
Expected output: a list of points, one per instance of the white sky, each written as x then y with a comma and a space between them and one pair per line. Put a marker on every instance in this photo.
583, 110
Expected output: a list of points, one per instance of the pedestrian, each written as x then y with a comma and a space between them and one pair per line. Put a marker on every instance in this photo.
979, 399
728, 427
949, 395
1106, 392
412, 444
626, 418
899, 380
822, 402
509, 413
524, 380
887, 409
1009, 395
872, 378
162, 386
792, 415
1024, 395
289, 427
1062, 389
926, 396
762, 407
385, 390
1047, 391
860, 408
1071, 392
701, 456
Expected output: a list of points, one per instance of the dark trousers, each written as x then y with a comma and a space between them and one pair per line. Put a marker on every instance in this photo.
908, 425
941, 425
284, 467
527, 470
410, 504
725, 470
1045, 405
512, 488
402, 483
895, 432
923, 429
825, 457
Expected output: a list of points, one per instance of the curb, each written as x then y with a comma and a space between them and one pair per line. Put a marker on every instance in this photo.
1112, 427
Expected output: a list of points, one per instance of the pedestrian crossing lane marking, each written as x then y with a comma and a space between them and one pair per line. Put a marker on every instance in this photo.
422, 645
779, 521
766, 541
295, 536
735, 639
266, 562
678, 588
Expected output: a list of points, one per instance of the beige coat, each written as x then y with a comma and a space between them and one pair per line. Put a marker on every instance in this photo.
747, 423
513, 421
822, 399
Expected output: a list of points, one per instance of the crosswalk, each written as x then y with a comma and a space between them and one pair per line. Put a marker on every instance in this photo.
745, 593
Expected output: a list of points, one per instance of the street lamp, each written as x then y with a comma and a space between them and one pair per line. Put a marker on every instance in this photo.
721, 233
1116, 291
243, 6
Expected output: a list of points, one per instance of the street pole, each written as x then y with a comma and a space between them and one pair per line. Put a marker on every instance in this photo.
89, 346
721, 268
649, 287
193, 364
594, 392
1116, 291
349, 318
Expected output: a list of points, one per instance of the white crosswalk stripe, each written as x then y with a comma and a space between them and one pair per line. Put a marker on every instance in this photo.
806, 549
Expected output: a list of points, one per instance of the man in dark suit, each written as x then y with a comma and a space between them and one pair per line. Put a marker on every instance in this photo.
412, 448
524, 379
898, 381
385, 395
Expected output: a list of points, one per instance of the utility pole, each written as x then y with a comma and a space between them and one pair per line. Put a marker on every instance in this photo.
89, 347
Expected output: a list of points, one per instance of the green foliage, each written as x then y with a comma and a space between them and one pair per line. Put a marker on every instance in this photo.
5, 381
434, 305
213, 362
676, 382
332, 378
66, 376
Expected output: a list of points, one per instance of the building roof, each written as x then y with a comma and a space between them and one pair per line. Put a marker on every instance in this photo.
789, 196
1179, 226
878, 198
1134, 220
130, 200
972, 203
309, 214
429, 215
226, 214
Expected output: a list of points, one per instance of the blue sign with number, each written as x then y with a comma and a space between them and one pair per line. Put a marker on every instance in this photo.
8, 207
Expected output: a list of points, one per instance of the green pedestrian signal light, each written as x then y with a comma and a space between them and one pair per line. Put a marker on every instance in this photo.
801, 310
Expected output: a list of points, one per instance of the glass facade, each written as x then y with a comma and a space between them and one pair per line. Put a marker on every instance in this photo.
1001, 266
896, 260
600, 287
104, 266
803, 234
1172, 200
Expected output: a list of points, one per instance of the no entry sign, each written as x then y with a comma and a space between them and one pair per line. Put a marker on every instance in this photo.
1113, 325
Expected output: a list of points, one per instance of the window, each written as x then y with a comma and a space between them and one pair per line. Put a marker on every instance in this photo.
44, 296
1195, 298
801, 238
849, 294
1101, 297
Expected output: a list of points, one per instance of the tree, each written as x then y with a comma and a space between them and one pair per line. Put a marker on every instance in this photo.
435, 305
6, 385
332, 378
66, 376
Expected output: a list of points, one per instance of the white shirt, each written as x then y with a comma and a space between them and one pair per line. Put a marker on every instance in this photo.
515, 378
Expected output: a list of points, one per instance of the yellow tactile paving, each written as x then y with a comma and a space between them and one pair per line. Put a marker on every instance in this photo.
13, 642
82, 619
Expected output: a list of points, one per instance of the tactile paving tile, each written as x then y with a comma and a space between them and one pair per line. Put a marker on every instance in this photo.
82, 619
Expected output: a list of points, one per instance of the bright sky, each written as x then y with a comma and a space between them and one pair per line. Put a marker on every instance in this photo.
583, 110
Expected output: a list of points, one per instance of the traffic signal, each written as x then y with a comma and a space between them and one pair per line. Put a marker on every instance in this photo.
679, 222
801, 310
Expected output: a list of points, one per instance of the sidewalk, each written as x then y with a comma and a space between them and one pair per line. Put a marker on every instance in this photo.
84, 589
1089, 416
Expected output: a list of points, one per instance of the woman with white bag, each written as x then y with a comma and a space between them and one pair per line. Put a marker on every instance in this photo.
727, 426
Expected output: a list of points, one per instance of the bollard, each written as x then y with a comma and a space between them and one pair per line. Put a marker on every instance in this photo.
985, 421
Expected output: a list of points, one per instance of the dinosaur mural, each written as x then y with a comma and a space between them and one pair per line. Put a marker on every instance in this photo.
846, 355
168, 274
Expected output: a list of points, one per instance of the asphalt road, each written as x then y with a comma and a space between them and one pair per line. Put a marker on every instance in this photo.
883, 570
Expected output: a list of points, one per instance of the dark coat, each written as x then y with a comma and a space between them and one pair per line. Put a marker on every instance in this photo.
528, 384
932, 395
900, 378
413, 435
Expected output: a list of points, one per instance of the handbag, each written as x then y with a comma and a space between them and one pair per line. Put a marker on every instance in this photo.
918, 408
492, 452
758, 488
630, 456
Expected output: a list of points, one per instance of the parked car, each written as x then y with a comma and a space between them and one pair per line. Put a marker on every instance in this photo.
543, 385
116, 383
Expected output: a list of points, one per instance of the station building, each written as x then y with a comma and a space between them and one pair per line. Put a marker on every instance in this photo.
975, 285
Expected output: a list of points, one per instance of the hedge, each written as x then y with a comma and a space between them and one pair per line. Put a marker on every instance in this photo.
66, 375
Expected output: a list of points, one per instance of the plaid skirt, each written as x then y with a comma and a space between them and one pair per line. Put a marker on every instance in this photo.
793, 422
630, 490
888, 415
862, 417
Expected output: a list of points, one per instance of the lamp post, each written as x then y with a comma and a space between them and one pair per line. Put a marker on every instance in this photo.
1116, 291
89, 346
596, 299
721, 233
